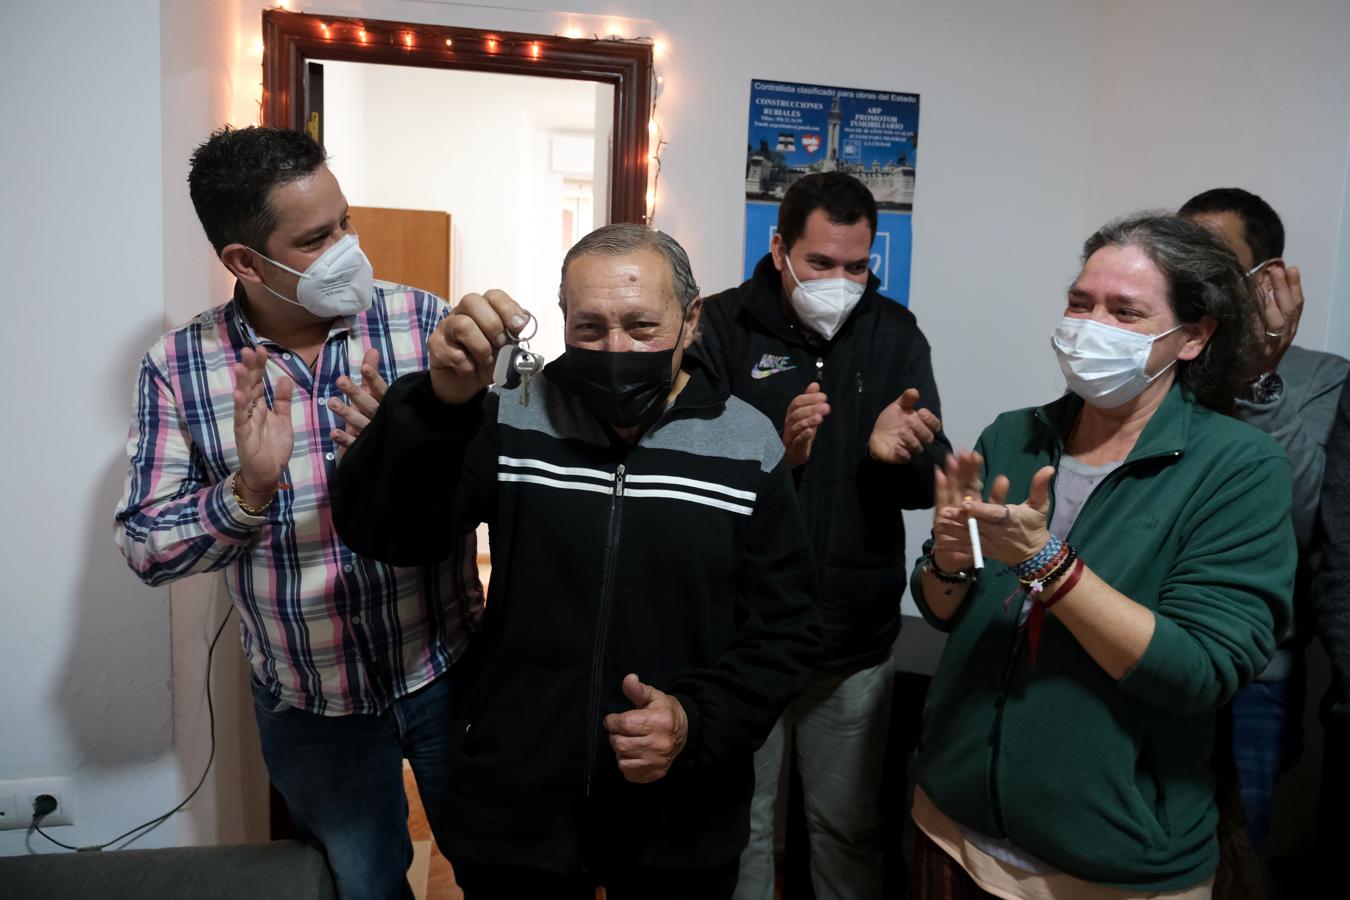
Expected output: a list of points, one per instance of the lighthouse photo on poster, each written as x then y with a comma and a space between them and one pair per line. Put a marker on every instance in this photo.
797, 129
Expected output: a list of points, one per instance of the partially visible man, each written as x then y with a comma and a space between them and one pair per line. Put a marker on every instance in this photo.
653, 599
1291, 396
845, 375
240, 419
1331, 616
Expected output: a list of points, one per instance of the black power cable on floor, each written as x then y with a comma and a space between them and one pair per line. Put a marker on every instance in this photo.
211, 716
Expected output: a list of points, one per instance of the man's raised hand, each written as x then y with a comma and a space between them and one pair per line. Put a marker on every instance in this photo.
804, 415
263, 436
463, 348
362, 401
902, 431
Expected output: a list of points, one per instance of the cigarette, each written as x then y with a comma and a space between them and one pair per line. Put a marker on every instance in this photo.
975, 540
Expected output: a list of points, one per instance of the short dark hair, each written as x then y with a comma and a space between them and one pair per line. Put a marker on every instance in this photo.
1261, 226
1204, 278
844, 198
232, 176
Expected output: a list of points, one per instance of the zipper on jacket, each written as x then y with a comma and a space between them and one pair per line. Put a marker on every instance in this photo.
602, 624
996, 732
820, 369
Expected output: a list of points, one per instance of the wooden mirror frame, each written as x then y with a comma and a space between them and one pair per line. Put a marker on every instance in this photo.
289, 39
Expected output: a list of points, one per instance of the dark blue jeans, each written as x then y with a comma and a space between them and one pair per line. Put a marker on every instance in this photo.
342, 777
1266, 743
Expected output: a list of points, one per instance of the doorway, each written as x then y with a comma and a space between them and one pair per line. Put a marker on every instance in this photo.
291, 41
515, 167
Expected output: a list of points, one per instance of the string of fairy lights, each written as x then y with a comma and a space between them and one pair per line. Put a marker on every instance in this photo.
410, 37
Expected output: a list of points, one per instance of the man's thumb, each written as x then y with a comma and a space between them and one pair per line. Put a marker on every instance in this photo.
908, 399
638, 694
812, 388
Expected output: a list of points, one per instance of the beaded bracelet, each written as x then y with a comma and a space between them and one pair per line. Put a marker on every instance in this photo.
1063, 566
965, 576
1029, 567
1044, 573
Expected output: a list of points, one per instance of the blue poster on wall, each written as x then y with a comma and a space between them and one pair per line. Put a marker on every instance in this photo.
797, 129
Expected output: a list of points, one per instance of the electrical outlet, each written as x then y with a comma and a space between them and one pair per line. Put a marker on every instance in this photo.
9, 810
21, 795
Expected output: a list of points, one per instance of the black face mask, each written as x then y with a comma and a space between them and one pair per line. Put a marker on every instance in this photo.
625, 389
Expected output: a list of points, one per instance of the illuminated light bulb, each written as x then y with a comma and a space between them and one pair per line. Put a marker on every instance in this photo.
283, 4
534, 50
449, 42
614, 30
407, 40
492, 45
574, 33
361, 35
651, 198
258, 46
652, 127
659, 47
324, 27
660, 79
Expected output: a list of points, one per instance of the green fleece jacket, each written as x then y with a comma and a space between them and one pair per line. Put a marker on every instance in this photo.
1110, 781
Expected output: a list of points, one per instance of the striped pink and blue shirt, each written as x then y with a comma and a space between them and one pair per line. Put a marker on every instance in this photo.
323, 629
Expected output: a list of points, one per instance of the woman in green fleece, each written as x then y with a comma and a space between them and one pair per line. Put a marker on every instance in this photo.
1143, 579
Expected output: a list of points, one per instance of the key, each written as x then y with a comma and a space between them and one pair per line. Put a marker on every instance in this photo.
526, 365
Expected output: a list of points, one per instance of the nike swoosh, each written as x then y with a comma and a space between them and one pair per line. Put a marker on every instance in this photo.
758, 373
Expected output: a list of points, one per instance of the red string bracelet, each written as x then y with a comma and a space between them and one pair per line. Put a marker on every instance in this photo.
1069, 584
1036, 618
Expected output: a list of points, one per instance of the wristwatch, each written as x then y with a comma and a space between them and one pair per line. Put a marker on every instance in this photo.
1266, 389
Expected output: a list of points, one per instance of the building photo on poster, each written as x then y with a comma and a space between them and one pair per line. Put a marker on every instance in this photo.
797, 129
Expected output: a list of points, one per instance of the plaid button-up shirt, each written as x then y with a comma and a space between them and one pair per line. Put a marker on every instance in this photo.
323, 629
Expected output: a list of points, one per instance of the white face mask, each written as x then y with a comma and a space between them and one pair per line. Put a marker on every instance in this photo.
339, 283
1105, 365
824, 304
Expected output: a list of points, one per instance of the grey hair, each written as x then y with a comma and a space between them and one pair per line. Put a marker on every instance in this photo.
1204, 279
625, 237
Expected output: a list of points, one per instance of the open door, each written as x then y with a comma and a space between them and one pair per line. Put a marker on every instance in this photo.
407, 246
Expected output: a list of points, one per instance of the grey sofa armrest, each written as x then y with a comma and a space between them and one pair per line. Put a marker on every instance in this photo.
281, 870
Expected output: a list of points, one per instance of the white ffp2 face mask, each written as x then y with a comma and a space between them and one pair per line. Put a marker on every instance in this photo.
339, 283
1105, 365
823, 305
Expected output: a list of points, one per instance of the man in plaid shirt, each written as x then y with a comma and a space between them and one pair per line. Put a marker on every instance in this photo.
240, 418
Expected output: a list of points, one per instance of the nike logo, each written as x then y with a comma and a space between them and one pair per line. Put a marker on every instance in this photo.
771, 365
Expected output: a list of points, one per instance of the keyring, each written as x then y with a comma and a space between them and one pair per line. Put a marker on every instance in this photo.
520, 337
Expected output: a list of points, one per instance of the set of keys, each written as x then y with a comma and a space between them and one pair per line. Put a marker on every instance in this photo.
519, 360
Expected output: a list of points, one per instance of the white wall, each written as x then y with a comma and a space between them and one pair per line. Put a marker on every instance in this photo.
1213, 93
84, 648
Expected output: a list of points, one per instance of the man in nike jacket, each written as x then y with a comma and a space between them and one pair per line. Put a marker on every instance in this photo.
844, 374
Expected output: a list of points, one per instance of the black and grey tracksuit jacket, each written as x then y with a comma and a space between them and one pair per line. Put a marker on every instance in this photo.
682, 558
